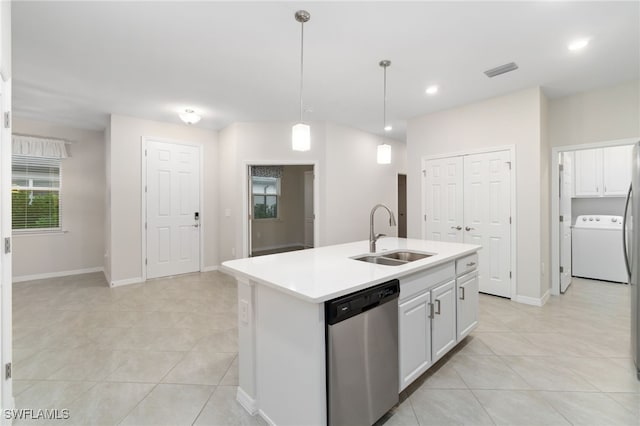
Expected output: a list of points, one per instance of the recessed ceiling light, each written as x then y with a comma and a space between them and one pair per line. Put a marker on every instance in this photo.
388, 128
578, 44
432, 90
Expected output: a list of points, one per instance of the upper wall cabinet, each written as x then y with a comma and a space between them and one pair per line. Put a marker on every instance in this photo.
603, 172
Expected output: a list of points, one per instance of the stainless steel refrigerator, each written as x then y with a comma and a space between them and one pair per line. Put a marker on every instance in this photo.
631, 241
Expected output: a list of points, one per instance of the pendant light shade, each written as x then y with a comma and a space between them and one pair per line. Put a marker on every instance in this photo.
384, 150
384, 154
301, 137
301, 132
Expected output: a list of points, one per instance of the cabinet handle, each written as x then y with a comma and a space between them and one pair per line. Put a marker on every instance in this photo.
469, 229
457, 227
471, 264
431, 310
438, 306
461, 293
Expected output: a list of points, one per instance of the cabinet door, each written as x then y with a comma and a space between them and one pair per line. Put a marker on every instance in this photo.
443, 324
588, 166
414, 338
467, 309
617, 170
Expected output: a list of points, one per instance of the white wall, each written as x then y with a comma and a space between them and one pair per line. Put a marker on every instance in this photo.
355, 183
513, 119
124, 253
596, 116
350, 181
80, 246
288, 229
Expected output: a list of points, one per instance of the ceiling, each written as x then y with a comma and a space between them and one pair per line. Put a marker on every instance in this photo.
75, 63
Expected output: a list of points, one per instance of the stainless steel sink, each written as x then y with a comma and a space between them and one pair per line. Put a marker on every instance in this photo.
395, 258
380, 260
406, 256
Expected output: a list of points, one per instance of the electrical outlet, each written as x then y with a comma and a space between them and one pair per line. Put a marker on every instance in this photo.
244, 311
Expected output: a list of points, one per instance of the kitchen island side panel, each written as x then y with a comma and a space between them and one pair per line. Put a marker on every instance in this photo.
290, 359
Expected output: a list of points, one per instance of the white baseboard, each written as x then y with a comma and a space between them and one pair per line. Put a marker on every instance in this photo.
266, 418
534, 301
210, 268
128, 281
246, 401
56, 274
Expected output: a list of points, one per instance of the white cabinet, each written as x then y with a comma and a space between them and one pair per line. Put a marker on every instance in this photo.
428, 315
603, 171
616, 170
467, 304
444, 319
588, 173
414, 338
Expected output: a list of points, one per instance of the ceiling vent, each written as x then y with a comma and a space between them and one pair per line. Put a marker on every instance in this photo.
511, 66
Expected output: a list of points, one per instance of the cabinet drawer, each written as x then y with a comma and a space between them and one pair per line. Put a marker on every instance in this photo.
466, 264
421, 281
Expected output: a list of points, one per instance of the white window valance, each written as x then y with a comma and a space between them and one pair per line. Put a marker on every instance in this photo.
34, 146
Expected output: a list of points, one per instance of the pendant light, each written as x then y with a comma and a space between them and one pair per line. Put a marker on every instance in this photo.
301, 132
384, 150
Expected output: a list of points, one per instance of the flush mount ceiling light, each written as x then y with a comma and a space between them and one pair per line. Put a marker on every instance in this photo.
189, 116
432, 90
578, 44
384, 150
301, 132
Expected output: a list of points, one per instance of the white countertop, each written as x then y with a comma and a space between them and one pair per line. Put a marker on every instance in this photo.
324, 273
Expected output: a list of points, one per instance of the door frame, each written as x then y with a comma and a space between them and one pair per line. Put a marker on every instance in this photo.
512, 194
555, 200
143, 194
246, 235
7, 400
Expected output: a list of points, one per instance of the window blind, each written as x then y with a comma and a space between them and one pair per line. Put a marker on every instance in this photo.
35, 193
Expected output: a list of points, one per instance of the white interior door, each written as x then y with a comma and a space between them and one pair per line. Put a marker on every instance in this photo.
566, 192
309, 216
487, 212
443, 179
173, 209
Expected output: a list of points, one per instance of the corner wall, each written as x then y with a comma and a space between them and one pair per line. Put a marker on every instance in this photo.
513, 119
125, 192
79, 248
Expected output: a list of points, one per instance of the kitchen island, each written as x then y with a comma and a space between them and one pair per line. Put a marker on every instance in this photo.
281, 317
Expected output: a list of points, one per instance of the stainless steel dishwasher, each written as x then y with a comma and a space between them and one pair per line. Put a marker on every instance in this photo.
362, 355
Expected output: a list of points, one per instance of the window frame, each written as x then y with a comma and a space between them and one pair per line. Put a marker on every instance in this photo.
254, 194
58, 189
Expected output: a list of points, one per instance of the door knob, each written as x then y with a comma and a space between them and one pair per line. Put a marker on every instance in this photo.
469, 229
457, 227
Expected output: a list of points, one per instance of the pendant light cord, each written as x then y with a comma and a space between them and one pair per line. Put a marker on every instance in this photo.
301, 66
384, 101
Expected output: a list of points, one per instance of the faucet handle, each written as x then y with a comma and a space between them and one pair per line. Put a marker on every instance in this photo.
380, 235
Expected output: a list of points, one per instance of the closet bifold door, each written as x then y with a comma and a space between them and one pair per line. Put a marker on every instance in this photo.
443, 178
487, 212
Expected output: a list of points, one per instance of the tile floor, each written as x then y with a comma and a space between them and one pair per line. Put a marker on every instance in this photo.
165, 353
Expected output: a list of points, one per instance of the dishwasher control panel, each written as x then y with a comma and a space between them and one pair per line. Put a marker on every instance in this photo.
345, 307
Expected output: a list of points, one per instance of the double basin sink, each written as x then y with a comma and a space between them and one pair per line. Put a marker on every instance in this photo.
394, 258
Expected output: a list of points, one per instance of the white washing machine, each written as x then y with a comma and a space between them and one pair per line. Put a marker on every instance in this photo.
596, 248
